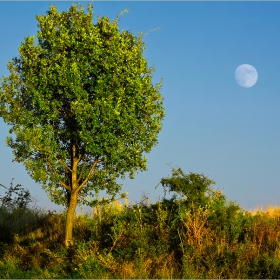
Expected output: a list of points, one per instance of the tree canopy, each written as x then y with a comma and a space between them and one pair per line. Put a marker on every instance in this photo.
81, 105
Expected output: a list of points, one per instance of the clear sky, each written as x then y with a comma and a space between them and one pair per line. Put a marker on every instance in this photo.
213, 125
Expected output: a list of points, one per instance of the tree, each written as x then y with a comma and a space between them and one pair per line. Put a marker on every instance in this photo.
20, 202
82, 107
193, 187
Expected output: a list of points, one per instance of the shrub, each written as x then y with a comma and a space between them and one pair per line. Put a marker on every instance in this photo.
20, 202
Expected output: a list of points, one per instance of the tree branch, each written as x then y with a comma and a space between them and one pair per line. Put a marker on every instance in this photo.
55, 172
80, 177
59, 160
86, 179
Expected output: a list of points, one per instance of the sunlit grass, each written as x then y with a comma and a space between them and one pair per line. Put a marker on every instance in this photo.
161, 240
270, 210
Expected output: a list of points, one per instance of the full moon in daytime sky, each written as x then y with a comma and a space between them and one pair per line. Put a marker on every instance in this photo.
246, 75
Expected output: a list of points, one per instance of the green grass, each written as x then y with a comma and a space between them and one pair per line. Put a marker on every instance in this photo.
209, 237
161, 240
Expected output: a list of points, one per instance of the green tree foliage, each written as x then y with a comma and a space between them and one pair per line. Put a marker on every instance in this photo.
82, 107
194, 187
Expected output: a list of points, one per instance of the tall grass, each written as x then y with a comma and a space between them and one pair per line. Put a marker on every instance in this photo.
172, 238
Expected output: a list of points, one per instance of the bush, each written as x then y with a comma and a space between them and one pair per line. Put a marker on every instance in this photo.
15, 216
193, 188
20, 202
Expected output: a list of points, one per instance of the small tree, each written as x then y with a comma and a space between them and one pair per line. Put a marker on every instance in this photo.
193, 187
82, 106
20, 202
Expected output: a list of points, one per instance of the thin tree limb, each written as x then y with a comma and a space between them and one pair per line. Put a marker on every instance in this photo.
80, 177
86, 179
55, 172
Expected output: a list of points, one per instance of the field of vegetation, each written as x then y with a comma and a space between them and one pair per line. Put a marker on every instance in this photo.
197, 234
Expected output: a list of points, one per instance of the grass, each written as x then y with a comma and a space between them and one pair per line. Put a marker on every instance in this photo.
143, 241
170, 239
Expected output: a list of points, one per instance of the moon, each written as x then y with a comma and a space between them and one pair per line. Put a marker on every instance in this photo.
246, 75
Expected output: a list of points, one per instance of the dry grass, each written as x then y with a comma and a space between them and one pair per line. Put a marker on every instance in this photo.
200, 252
270, 210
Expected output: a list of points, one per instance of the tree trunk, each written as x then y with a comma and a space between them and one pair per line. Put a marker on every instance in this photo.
70, 217
73, 198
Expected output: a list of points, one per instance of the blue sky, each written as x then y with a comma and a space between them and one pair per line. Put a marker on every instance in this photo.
212, 126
